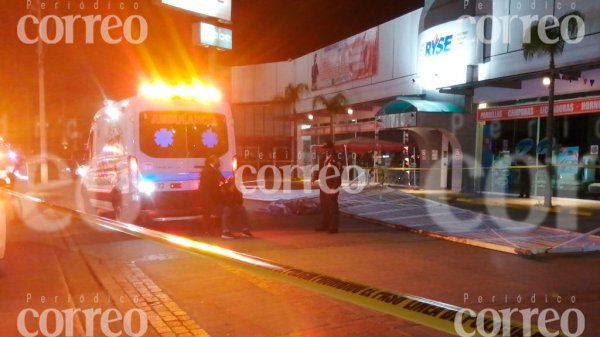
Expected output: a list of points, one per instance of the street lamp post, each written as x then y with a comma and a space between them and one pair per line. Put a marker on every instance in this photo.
42, 106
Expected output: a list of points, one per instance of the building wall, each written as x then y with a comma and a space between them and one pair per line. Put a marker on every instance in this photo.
397, 66
507, 58
535, 88
406, 69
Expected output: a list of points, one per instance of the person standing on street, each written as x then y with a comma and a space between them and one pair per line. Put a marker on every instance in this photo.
234, 211
211, 197
330, 180
524, 177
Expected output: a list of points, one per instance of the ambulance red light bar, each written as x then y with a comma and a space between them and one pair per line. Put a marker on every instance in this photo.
196, 91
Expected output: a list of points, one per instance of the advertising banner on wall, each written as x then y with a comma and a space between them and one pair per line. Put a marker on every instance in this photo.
567, 160
351, 59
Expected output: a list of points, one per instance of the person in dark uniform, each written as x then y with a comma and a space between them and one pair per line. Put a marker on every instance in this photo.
330, 179
234, 210
524, 177
211, 195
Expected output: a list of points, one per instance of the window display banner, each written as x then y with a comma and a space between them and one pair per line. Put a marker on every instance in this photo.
561, 108
351, 59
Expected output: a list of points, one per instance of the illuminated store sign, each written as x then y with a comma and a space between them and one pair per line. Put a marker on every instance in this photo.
445, 52
220, 9
561, 108
210, 35
438, 45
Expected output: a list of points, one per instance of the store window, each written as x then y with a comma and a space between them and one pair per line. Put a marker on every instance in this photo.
512, 145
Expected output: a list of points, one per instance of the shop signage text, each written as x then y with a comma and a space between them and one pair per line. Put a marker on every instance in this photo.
438, 45
561, 108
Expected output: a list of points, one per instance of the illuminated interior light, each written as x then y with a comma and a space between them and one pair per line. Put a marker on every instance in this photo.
482, 106
350, 111
311, 117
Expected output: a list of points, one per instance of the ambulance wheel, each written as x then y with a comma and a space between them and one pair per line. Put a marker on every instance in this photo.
144, 220
118, 212
125, 209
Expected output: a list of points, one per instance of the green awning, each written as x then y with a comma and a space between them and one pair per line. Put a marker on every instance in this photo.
418, 105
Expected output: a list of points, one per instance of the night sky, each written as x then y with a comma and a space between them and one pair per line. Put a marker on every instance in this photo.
79, 75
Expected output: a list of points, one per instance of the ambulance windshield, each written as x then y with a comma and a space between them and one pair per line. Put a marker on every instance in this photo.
182, 134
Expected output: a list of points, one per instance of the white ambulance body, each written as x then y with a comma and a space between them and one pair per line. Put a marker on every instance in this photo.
145, 154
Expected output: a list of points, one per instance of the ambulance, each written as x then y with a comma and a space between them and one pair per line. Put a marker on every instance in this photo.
144, 154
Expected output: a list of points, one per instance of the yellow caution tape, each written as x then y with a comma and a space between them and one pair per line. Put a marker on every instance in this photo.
515, 167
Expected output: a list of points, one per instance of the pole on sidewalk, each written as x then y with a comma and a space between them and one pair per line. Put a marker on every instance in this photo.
42, 105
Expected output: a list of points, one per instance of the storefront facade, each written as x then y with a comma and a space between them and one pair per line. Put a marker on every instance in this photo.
512, 131
432, 62
511, 101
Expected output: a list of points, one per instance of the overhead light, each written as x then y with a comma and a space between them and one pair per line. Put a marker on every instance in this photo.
311, 117
546, 80
350, 111
304, 127
482, 106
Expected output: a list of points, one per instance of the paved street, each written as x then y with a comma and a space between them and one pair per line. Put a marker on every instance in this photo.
193, 295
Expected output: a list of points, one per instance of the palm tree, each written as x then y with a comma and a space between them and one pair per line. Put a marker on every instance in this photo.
291, 95
539, 47
335, 104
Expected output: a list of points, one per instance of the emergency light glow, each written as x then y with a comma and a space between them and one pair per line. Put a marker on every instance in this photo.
196, 91
146, 187
234, 163
113, 112
82, 170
